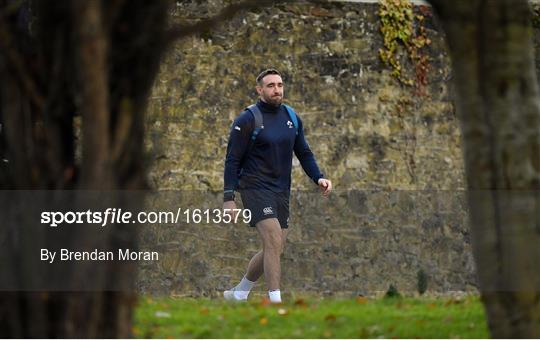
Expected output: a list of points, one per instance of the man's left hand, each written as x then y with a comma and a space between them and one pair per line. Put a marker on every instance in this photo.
326, 186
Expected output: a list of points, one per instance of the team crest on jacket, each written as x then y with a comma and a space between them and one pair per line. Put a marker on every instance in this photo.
289, 124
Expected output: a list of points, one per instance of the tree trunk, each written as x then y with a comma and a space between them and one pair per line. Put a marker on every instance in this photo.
96, 59
498, 104
59, 59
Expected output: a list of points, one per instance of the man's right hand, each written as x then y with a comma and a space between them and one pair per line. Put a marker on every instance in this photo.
228, 209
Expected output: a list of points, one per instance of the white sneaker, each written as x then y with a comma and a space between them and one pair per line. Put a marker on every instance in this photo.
230, 296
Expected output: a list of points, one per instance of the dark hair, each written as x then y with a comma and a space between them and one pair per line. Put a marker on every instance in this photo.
265, 73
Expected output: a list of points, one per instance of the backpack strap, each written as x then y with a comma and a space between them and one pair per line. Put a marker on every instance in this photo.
257, 115
292, 116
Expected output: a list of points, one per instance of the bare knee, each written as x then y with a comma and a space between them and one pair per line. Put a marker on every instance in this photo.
271, 236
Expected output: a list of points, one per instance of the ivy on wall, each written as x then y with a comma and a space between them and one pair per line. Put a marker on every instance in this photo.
403, 30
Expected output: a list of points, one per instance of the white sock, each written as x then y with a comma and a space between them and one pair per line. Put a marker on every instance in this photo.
241, 291
275, 296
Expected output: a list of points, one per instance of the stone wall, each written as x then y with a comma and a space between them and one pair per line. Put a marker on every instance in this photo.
394, 157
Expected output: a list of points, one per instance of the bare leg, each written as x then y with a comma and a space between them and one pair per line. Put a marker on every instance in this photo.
255, 268
270, 232
257, 264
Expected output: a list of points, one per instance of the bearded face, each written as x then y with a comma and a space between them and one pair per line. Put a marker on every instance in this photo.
271, 89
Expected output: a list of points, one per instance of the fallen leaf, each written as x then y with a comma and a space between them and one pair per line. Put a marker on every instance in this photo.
204, 311
265, 301
263, 321
161, 314
300, 303
283, 311
453, 301
330, 317
361, 300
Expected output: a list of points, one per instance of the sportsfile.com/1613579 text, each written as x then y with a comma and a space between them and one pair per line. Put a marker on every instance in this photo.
119, 216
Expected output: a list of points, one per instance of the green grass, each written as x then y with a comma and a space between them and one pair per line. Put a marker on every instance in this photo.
311, 318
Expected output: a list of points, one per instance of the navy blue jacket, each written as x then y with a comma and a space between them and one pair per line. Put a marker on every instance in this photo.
266, 163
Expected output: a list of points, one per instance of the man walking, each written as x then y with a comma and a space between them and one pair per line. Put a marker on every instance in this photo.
258, 164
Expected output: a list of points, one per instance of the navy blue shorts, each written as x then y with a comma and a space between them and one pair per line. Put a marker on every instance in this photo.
265, 204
